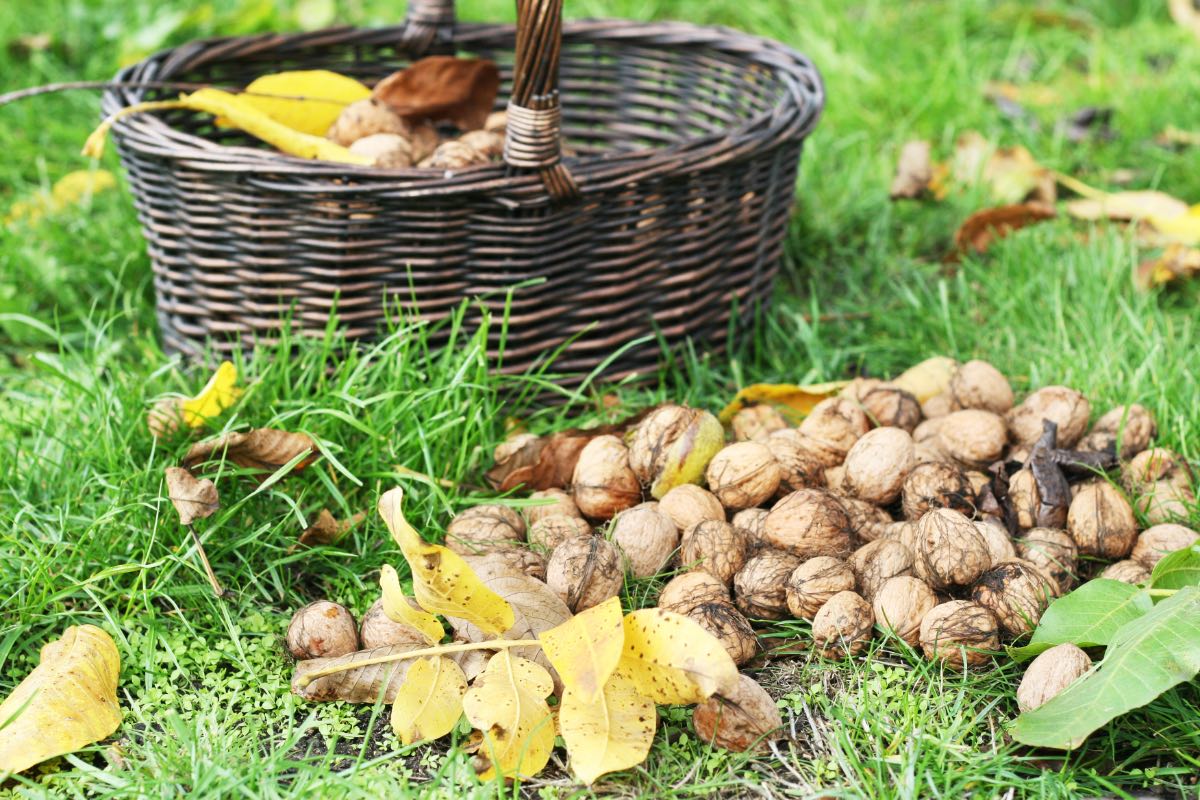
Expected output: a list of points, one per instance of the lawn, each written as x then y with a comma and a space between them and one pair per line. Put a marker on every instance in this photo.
87, 536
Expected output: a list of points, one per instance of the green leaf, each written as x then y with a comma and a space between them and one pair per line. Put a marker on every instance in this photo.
1177, 570
1087, 617
1146, 657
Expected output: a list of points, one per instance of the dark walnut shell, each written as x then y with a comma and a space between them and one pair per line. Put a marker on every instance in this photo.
878, 464
1050, 673
960, 633
950, 552
876, 562
900, 604
715, 547
1053, 552
977, 384
936, 485
1101, 522
691, 590
807, 523
760, 586
478, 529
813, 582
603, 483
1016, 593
728, 626
646, 539
1065, 407
843, 625
746, 719
688, 504
833, 426
322, 629
584, 572
743, 475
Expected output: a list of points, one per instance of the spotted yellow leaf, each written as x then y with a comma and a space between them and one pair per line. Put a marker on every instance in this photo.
672, 660
430, 701
443, 582
218, 394
308, 101
586, 648
609, 732
794, 402
507, 703
398, 609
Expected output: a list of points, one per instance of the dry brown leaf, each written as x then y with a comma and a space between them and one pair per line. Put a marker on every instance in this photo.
326, 529
1185, 13
263, 449
914, 171
461, 91
362, 684
982, 228
193, 499
1177, 262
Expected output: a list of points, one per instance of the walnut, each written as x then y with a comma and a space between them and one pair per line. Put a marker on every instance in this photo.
800, 465
688, 504
746, 719
1157, 464
876, 562
386, 150
364, 118
715, 547
603, 481
807, 523
756, 423
646, 538
760, 586
1101, 522
378, 630
877, 465
891, 407
1065, 407
960, 633
1127, 571
729, 627
813, 582
995, 536
867, 521
928, 430
1157, 541
977, 384
1132, 427
489, 144
584, 572
497, 121
519, 558
743, 475
843, 625
950, 551
750, 522
835, 479
1165, 502
901, 603
1016, 593
936, 485
690, 590
1026, 502
562, 504
452, 155
479, 528
549, 532
322, 629
938, 406
1050, 673
972, 437
833, 426
978, 481
1053, 551
672, 446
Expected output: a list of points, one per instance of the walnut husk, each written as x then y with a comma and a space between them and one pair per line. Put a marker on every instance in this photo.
584, 572
549, 532
745, 719
760, 586
604, 484
1053, 551
688, 504
1065, 407
977, 384
876, 562
1050, 673
1101, 522
480, 528
1127, 571
691, 590
646, 538
950, 551
729, 627
807, 523
1158, 540
715, 547
1027, 503
1016, 593
833, 426
843, 625
813, 582
972, 437
756, 423
901, 603
801, 466
877, 465
1125, 431
960, 633
322, 629
743, 475
936, 485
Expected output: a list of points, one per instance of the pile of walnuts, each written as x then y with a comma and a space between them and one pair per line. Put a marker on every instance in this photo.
371, 128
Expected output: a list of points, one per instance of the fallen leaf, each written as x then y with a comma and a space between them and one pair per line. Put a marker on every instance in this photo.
461, 91
398, 609
1177, 137
1024, 94
68, 702
507, 702
430, 701
914, 171
218, 394
1180, 229
240, 114
193, 499
586, 648
672, 659
1185, 13
608, 732
1010, 174
442, 581
1129, 205
71, 189
794, 402
927, 379
982, 228
326, 530
1177, 262
308, 101
27, 44
364, 684
1089, 122
262, 449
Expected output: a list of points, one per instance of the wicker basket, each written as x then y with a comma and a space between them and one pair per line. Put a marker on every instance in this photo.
667, 213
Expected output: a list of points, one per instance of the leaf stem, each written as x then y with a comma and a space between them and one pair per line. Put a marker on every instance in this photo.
436, 650
1161, 592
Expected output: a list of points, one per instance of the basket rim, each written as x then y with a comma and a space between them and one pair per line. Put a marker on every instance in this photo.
789, 121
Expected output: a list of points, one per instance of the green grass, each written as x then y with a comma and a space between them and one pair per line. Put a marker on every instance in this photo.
86, 536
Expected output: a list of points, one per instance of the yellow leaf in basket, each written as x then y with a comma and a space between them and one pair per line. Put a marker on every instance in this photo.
241, 115
218, 394
304, 100
793, 401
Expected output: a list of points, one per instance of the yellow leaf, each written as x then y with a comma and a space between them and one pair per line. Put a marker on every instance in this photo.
324, 95
586, 648
672, 659
398, 609
1182, 228
218, 394
71, 189
1176, 262
1010, 174
507, 703
442, 581
1141, 204
610, 732
240, 114
793, 401
430, 701
67, 702
928, 379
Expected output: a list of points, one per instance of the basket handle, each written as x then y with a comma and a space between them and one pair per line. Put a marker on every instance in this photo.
533, 140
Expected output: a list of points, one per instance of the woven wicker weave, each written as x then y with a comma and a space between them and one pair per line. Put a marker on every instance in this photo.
668, 211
